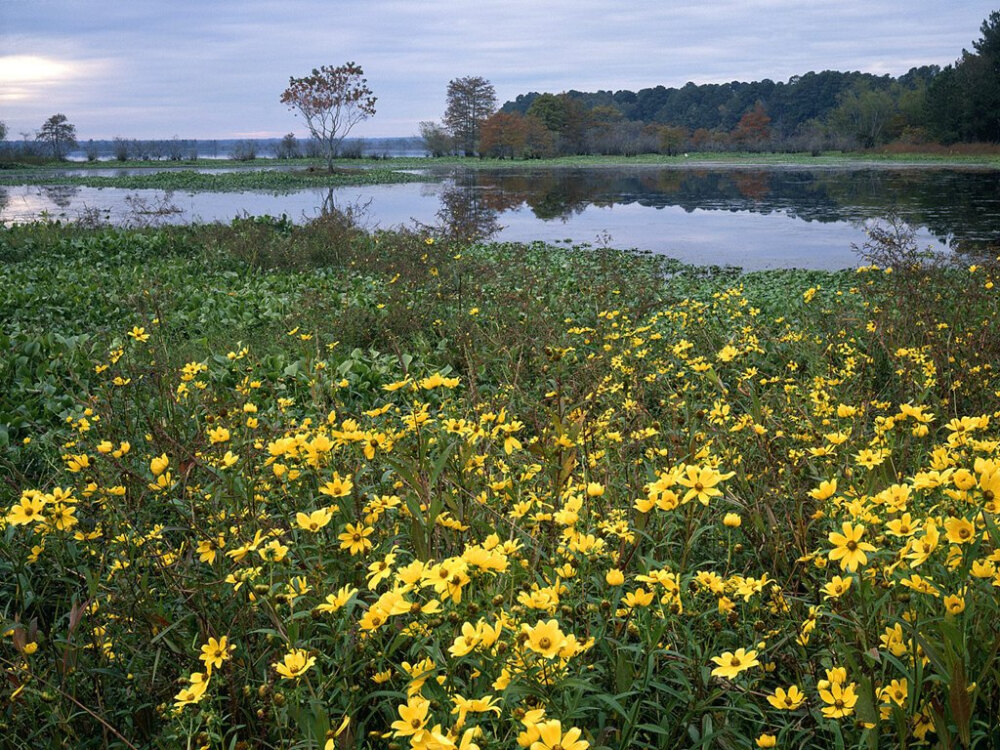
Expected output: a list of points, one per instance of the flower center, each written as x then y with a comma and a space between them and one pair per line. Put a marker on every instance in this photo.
544, 643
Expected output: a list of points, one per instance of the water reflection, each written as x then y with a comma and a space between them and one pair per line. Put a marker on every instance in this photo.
469, 214
756, 218
335, 207
151, 211
961, 208
61, 195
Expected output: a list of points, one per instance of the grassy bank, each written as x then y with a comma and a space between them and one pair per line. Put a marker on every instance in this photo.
282, 486
833, 159
239, 180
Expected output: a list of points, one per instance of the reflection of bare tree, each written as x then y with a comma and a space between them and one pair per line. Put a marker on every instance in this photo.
4, 199
91, 217
61, 195
352, 214
467, 213
150, 212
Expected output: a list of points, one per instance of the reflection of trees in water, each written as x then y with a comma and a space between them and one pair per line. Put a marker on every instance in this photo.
465, 214
470, 210
4, 199
988, 248
354, 214
960, 207
550, 193
61, 195
144, 212
752, 185
560, 195
758, 191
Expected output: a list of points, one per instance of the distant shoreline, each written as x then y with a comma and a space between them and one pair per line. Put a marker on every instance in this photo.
858, 159
224, 175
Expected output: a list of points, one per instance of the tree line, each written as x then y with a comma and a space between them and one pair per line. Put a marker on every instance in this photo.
810, 112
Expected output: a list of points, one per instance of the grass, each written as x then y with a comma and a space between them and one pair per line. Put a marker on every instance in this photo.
291, 486
844, 160
240, 180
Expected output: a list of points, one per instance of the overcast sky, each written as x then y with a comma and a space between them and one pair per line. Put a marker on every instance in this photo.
216, 68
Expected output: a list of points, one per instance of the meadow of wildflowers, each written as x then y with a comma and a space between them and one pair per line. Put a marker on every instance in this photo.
309, 487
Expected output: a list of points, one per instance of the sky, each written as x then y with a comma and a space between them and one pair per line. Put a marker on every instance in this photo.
216, 68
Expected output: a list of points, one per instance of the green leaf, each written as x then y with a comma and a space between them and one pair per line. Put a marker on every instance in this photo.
439, 463
960, 702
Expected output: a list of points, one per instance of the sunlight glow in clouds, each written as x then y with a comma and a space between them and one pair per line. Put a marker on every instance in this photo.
32, 69
25, 76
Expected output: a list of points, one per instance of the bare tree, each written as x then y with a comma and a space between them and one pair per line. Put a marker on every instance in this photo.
175, 149
437, 141
331, 101
59, 134
120, 147
288, 148
244, 151
470, 101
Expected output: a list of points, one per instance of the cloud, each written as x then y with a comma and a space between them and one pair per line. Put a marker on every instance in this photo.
27, 77
214, 69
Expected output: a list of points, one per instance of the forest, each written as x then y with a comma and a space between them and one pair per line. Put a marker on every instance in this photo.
959, 103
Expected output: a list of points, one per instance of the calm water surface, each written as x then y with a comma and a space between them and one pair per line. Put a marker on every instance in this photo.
755, 218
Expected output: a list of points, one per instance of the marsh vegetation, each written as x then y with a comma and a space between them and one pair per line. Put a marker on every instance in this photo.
306, 486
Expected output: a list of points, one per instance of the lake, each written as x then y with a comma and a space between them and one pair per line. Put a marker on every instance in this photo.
752, 217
